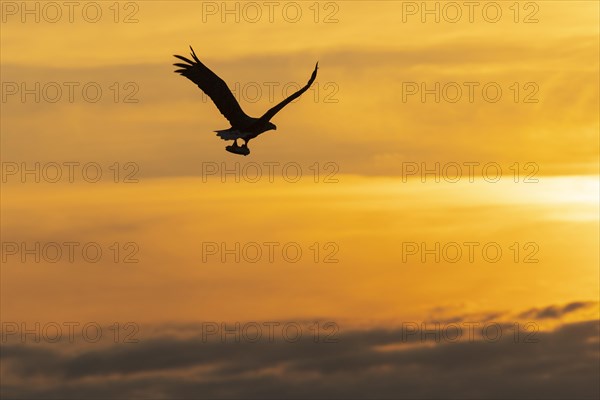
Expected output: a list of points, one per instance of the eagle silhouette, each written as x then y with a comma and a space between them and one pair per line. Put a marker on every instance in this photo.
243, 126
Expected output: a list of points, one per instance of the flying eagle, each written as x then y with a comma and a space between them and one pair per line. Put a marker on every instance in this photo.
243, 126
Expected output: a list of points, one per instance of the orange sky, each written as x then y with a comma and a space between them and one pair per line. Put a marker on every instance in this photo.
356, 137
367, 56
368, 219
364, 127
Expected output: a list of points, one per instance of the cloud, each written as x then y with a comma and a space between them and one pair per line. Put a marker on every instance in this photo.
563, 363
554, 311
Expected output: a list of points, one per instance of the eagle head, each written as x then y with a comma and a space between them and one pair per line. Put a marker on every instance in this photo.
270, 126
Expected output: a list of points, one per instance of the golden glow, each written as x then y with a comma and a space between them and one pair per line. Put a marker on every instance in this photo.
368, 218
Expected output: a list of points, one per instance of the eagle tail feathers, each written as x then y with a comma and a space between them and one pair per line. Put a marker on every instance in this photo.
228, 134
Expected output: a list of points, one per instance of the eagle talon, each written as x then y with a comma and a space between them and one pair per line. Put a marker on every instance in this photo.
241, 150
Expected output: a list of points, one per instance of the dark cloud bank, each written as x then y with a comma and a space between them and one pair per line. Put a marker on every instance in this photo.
561, 364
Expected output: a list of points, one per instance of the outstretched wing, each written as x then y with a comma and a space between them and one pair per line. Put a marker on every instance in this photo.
269, 114
215, 88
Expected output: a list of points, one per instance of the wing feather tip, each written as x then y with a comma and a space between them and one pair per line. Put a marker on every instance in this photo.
184, 59
194, 54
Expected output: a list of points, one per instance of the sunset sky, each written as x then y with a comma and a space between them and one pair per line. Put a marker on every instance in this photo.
361, 176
